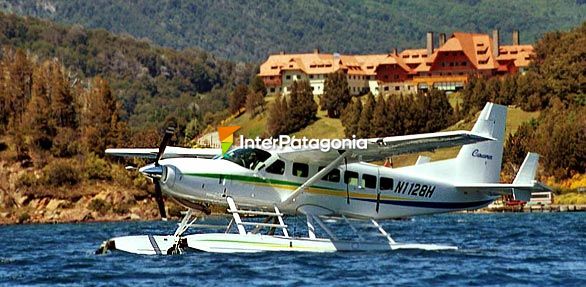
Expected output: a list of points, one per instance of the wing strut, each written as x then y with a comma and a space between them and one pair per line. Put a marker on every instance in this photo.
313, 179
347, 182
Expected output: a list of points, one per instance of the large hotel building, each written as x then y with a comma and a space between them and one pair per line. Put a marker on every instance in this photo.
461, 56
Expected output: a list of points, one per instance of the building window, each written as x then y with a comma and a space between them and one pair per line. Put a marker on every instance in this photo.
386, 88
397, 88
272, 90
288, 77
311, 76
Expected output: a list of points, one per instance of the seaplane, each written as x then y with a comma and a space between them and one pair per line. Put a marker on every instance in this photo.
341, 184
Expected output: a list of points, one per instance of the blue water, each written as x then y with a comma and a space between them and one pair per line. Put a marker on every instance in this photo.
495, 249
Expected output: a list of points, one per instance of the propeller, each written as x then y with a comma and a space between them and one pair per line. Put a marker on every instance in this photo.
158, 193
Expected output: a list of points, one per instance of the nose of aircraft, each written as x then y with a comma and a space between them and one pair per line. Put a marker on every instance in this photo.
152, 170
168, 176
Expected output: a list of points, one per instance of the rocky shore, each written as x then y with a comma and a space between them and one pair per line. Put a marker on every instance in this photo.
83, 202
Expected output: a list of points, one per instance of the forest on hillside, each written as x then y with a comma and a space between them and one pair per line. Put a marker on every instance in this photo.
153, 84
250, 30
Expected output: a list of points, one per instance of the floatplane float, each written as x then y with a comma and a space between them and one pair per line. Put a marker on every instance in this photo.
339, 183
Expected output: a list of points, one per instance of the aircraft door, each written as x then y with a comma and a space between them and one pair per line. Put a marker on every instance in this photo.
368, 183
351, 181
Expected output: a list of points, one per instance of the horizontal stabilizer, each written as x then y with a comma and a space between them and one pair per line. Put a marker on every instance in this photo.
521, 188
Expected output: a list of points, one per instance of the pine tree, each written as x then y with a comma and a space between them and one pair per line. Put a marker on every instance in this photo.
365, 122
39, 124
62, 102
100, 124
255, 103
302, 106
442, 114
380, 119
257, 85
237, 99
351, 116
395, 122
336, 94
277, 121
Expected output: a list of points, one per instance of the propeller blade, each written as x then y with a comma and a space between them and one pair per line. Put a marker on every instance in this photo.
159, 198
166, 138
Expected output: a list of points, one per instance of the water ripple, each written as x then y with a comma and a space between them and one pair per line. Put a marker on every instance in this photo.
495, 249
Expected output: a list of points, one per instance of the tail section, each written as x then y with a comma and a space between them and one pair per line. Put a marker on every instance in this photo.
478, 163
481, 162
526, 176
528, 169
521, 188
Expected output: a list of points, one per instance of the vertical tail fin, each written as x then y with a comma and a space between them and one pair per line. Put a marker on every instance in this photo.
526, 175
528, 170
481, 162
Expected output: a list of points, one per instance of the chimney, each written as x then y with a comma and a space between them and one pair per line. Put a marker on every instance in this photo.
394, 51
442, 39
515, 37
495, 42
316, 51
282, 53
429, 43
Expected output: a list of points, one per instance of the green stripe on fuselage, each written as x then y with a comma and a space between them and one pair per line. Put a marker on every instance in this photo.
255, 179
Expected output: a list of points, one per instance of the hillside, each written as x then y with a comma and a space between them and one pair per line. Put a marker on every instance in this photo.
325, 127
153, 83
249, 30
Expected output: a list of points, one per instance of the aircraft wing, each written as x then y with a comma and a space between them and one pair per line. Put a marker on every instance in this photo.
381, 148
170, 152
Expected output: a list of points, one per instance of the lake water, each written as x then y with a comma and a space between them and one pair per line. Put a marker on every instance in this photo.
495, 249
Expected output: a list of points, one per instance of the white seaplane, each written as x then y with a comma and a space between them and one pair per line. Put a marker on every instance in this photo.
318, 185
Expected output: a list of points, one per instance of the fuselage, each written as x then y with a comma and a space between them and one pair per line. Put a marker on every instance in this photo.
359, 190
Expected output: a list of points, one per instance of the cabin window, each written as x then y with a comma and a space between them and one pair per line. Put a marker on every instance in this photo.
351, 178
386, 183
278, 167
333, 175
300, 169
247, 157
368, 181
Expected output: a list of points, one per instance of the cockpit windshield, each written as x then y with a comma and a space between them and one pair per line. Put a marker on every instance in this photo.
247, 157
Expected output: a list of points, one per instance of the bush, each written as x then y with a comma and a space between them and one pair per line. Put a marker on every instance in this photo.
122, 208
96, 168
24, 217
65, 143
61, 172
26, 179
99, 205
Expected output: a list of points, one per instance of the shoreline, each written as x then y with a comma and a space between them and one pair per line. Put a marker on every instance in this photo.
555, 208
